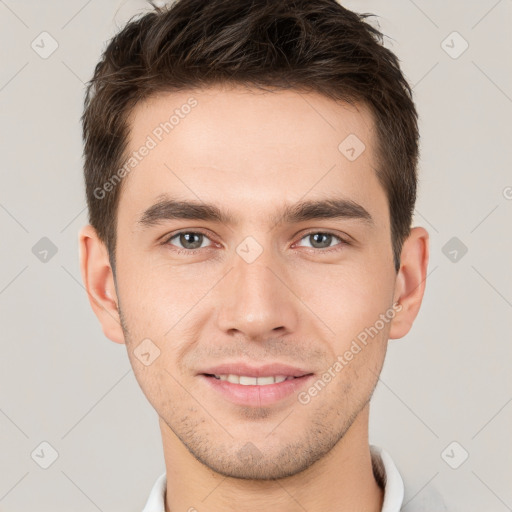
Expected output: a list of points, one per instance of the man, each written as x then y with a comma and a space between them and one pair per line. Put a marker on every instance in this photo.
250, 173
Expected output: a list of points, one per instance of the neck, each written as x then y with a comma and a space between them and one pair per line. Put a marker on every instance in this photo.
343, 477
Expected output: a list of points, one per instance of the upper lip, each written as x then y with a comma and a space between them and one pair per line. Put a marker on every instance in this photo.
266, 370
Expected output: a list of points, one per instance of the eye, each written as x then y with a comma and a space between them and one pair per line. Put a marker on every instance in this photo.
322, 240
189, 240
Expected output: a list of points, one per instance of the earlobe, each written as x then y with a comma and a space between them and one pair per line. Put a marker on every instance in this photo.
410, 281
98, 280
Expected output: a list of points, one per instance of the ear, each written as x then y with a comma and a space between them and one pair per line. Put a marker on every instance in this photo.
410, 281
98, 279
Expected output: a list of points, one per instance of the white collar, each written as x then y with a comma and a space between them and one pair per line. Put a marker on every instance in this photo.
385, 471
388, 476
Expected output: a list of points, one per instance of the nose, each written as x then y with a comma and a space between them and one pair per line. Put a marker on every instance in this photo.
256, 300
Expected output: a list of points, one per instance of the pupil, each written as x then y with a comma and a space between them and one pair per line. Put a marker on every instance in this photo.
187, 237
327, 241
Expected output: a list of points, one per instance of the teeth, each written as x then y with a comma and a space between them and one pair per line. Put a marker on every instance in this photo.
253, 381
248, 381
263, 381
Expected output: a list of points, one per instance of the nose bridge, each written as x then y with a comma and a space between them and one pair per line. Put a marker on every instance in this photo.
254, 300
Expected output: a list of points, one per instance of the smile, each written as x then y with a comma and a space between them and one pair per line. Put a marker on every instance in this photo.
245, 380
254, 391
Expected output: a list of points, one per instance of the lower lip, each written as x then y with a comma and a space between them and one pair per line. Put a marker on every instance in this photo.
254, 395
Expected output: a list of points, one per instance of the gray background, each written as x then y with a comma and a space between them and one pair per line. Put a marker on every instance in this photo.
64, 383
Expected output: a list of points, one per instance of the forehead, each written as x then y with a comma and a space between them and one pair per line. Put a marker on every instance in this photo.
249, 149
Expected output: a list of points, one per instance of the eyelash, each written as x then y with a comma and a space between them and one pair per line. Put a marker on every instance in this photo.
190, 252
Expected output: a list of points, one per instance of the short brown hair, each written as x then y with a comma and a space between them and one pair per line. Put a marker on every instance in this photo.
307, 45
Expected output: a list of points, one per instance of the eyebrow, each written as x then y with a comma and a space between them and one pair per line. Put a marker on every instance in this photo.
167, 208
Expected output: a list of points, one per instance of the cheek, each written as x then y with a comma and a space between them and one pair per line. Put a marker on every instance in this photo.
156, 295
159, 383
348, 298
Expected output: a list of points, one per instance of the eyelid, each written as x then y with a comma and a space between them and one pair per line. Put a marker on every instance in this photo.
199, 231
168, 238
343, 240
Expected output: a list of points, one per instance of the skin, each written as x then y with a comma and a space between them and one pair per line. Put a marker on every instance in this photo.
250, 152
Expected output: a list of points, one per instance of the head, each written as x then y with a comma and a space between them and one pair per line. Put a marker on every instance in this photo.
250, 174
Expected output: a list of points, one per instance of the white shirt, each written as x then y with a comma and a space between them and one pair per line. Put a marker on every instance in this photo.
384, 469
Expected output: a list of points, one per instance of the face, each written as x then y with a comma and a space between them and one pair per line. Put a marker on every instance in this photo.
221, 271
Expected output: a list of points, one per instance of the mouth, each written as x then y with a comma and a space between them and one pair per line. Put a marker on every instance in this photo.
246, 380
256, 387
244, 371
